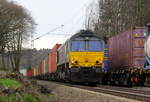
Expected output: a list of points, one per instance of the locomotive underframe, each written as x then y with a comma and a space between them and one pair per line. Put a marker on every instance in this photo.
86, 74
82, 74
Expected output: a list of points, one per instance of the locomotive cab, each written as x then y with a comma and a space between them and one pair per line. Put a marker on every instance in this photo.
86, 57
87, 53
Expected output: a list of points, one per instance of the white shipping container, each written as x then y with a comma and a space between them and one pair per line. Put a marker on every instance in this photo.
147, 47
23, 71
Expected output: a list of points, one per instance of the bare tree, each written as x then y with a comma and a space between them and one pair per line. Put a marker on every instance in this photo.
91, 16
16, 27
116, 16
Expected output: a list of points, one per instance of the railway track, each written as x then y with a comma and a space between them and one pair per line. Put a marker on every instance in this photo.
138, 95
119, 91
140, 90
132, 93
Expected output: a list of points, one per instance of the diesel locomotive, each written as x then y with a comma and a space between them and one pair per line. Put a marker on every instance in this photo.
81, 58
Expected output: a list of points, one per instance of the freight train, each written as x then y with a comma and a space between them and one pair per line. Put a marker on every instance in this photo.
84, 58
79, 59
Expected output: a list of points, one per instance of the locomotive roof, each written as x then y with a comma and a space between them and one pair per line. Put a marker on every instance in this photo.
85, 33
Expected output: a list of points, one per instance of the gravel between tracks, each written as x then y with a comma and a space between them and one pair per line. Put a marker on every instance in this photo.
71, 94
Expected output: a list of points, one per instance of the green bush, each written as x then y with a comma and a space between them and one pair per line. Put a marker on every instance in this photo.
10, 98
11, 83
30, 98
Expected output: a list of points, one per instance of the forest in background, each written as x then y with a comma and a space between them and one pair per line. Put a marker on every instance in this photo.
110, 17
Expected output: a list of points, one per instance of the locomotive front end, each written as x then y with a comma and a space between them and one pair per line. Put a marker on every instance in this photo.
86, 59
86, 54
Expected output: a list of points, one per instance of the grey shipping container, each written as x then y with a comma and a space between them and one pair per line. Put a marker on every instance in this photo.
126, 50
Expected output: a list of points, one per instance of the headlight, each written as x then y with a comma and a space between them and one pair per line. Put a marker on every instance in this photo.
74, 62
99, 62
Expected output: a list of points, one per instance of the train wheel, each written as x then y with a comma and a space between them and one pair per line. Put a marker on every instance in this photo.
92, 84
108, 82
125, 83
116, 83
147, 81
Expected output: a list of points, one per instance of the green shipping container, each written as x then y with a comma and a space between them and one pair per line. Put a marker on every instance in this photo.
46, 64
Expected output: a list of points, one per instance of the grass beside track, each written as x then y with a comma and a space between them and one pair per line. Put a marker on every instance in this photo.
10, 83
23, 97
17, 98
26, 98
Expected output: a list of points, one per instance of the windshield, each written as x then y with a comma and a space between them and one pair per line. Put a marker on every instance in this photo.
87, 45
78, 46
95, 46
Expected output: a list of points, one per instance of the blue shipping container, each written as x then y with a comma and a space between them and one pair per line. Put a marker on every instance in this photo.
106, 58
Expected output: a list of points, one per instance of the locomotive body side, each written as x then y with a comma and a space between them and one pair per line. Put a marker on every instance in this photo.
62, 54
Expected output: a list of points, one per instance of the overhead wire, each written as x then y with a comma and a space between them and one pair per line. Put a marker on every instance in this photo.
49, 32
67, 22
75, 15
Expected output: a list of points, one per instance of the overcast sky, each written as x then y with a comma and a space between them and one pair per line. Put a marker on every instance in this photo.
50, 14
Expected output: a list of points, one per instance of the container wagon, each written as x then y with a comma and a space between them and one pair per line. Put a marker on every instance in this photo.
126, 57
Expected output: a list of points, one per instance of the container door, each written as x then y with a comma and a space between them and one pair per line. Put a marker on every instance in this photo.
138, 48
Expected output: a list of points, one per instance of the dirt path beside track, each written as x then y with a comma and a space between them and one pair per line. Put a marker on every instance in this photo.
71, 94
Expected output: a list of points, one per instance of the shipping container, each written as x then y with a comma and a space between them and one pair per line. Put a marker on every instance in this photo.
106, 58
30, 73
49, 62
147, 49
23, 71
46, 64
126, 50
42, 66
35, 70
53, 59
